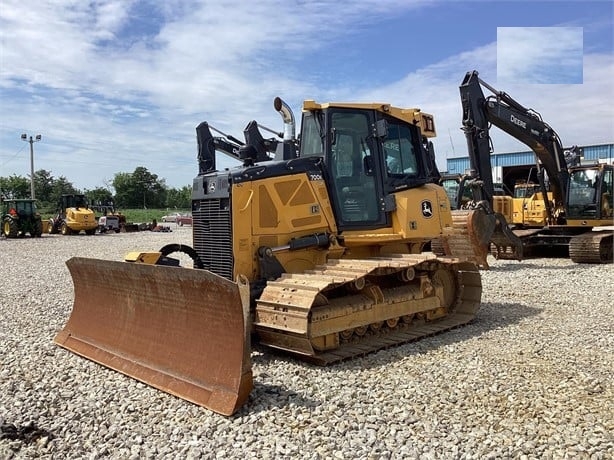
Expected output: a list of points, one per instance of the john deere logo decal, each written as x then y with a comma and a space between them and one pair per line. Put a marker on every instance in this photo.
427, 208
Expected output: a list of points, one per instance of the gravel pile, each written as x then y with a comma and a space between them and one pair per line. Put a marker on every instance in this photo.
531, 377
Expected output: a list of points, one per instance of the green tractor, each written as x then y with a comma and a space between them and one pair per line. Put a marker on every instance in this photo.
19, 216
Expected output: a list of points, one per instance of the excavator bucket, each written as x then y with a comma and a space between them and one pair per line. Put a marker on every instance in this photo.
505, 244
181, 330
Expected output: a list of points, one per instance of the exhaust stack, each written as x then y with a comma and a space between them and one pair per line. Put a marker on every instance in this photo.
288, 117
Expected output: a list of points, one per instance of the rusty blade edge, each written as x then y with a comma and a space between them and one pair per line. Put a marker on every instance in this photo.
218, 399
195, 349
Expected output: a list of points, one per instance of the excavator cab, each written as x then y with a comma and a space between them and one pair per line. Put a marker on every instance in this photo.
457, 190
590, 193
590, 212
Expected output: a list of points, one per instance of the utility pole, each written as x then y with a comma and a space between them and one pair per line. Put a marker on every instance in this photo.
24, 137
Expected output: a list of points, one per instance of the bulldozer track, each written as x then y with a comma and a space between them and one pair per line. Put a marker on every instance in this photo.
592, 248
349, 308
389, 339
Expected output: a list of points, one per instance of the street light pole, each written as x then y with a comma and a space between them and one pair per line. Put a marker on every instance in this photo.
24, 137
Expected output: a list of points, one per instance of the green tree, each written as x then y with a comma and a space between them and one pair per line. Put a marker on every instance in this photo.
141, 189
179, 198
15, 187
124, 190
43, 185
152, 189
61, 186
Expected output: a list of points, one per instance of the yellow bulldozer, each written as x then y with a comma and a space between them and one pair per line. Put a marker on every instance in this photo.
313, 246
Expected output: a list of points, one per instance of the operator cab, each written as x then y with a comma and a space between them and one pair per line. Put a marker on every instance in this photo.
367, 154
526, 190
25, 208
591, 193
73, 201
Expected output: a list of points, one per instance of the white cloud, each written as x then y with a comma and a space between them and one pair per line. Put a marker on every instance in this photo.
539, 54
68, 75
581, 114
106, 105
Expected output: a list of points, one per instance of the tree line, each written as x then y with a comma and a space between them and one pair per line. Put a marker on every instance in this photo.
139, 189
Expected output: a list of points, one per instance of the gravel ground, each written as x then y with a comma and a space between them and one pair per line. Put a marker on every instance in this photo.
531, 377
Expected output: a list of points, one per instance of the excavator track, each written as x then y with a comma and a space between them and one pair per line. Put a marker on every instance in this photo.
592, 248
348, 308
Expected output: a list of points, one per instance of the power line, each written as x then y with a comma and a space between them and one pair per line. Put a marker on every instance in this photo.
13, 156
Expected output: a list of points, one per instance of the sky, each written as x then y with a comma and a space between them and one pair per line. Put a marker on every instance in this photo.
111, 85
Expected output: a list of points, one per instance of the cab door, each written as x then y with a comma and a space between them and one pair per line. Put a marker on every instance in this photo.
354, 173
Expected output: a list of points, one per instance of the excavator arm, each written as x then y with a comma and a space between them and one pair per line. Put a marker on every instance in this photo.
561, 166
208, 145
526, 125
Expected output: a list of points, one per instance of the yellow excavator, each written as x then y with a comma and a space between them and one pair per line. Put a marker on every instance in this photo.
313, 246
572, 209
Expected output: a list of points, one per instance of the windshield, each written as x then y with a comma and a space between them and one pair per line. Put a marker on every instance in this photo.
351, 166
590, 194
582, 187
525, 190
311, 136
451, 188
24, 207
399, 150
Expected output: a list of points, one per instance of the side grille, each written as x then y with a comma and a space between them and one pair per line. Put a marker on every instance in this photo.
212, 234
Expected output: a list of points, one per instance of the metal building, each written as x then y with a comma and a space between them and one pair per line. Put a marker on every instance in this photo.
511, 167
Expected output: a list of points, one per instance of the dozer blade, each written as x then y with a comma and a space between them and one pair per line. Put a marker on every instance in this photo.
181, 330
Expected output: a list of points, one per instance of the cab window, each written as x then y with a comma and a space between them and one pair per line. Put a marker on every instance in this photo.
607, 194
399, 151
311, 141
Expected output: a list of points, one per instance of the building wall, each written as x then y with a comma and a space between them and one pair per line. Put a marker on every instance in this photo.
602, 152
